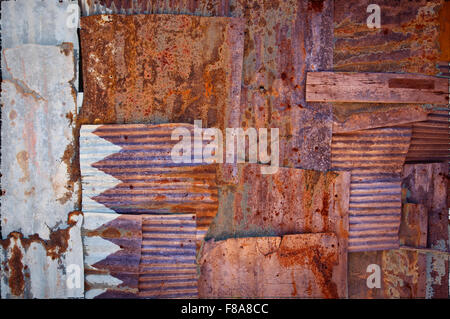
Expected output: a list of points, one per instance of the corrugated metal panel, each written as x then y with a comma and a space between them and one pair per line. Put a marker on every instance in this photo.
128, 169
35, 267
161, 68
112, 253
414, 225
38, 22
287, 202
168, 267
375, 158
292, 266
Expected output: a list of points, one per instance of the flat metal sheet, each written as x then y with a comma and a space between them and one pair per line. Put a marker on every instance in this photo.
112, 253
375, 158
168, 267
289, 201
161, 68
292, 266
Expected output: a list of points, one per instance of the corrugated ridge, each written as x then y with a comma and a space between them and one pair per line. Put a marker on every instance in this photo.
375, 158
168, 257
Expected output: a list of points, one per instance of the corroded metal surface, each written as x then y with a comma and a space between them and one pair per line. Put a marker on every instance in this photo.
35, 267
112, 253
161, 68
427, 184
287, 202
291, 266
128, 169
38, 22
168, 266
375, 158
37, 139
408, 40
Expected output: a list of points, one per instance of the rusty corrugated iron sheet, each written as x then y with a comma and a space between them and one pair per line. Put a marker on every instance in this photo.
168, 267
414, 225
112, 254
128, 169
41, 236
427, 184
375, 158
161, 68
292, 266
289, 201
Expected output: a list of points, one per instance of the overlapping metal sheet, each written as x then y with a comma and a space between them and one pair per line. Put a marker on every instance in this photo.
112, 254
39, 22
128, 169
290, 201
161, 68
375, 158
292, 266
168, 267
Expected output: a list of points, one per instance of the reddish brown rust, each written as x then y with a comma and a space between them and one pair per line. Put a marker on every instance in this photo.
16, 277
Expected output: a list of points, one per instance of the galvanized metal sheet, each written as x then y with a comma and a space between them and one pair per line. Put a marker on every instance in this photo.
35, 267
284, 40
287, 202
375, 158
402, 274
37, 139
39, 22
168, 267
128, 169
291, 266
161, 68
112, 253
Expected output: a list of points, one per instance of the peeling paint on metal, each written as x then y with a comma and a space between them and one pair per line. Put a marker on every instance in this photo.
161, 68
128, 169
375, 158
112, 249
292, 266
35, 267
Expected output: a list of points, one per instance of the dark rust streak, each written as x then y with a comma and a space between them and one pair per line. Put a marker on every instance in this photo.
411, 84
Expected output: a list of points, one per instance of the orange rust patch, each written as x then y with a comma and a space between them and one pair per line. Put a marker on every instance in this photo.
444, 36
12, 115
22, 158
16, 277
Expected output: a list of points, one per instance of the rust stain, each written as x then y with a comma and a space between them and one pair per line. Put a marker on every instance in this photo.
411, 84
444, 35
16, 278
22, 158
12, 115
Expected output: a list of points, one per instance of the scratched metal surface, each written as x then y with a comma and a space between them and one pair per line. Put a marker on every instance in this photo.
375, 158
128, 169
161, 68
